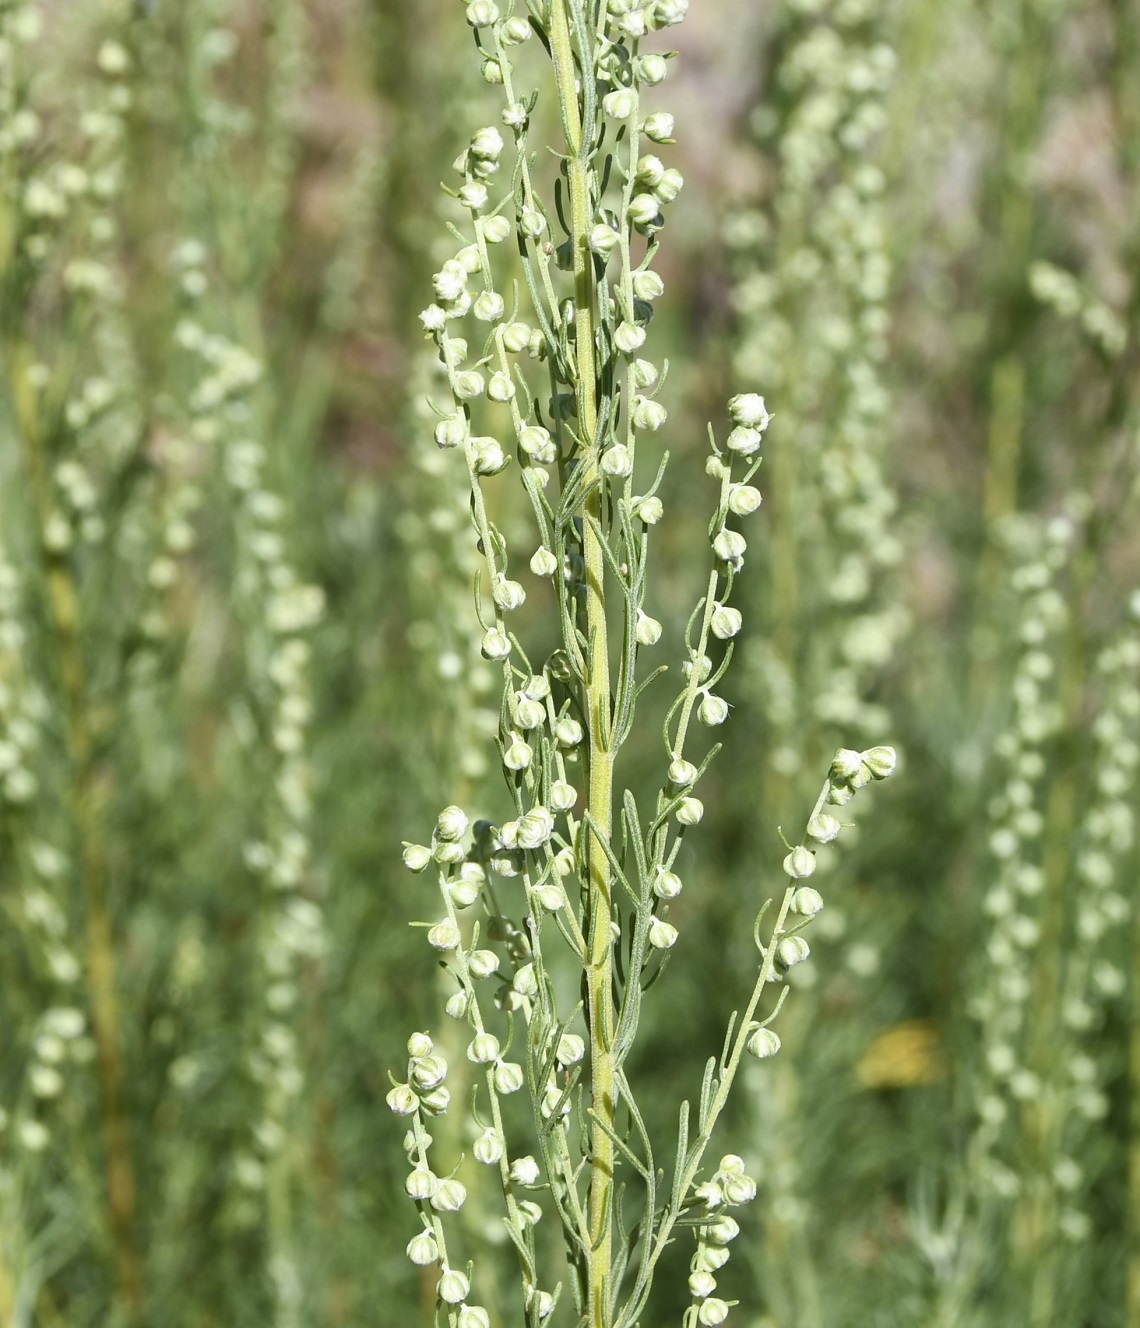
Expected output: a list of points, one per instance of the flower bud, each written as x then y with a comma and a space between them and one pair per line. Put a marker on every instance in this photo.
433, 318
421, 1183
628, 338
763, 1043
532, 223
617, 462
619, 104
670, 185
725, 622
739, 1189
500, 388
807, 902
800, 862
701, 1284
483, 1049
508, 595
568, 731
444, 936
536, 442
481, 14
840, 794
710, 1257
496, 229
452, 823
744, 442
723, 1230
792, 950
602, 239
644, 373
659, 127
449, 1197
456, 1005
507, 1077
535, 828
667, 885
451, 432
524, 1170
428, 1071
495, 644
420, 1044
515, 31
563, 796
488, 1147
649, 510
690, 811
651, 69
550, 898
450, 281
453, 1287
648, 286
489, 307
555, 1103
748, 409
402, 1100
448, 854
416, 856
668, 12
743, 499
468, 384
516, 337
650, 169
529, 714
648, 414
880, 761
571, 1049
422, 1249
662, 935
473, 195
823, 828
543, 562
730, 545
482, 963
712, 1311
682, 772
644, 210
712, 710
845, 764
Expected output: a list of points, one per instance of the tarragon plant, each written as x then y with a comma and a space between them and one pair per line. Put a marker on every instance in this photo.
581, 874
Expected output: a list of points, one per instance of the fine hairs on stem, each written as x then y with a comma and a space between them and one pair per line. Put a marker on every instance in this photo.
580, 873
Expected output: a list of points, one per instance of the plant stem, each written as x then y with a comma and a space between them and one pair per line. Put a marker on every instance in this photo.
600, 1001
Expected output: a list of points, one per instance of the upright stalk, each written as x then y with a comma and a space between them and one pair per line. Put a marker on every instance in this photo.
600, 1005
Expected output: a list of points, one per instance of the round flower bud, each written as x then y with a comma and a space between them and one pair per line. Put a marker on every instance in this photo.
563, 796
420, 1044
428, 1071
543, 562
453, 1287
550, 898
667, 885
659, 127
421, 1183
807, 901
422, 1249
487, 142
617, 462
644, 209
483, 1049
712, 1311
532, 223
846, 764
725, 622
730, 546
701, 1284
530, 1214
650, 169
470, 258
524, 1171
540, 1302
489, 307
763, 1043
450, 281
823, 828
416, 857
473, 195
602, 239
792, 950
690, 811
517, 755
452, 823
644, 373
670, 185
571, 1049
648, 414
468, 384
508, 1077
456, 1005
739, 1190
724, 1230
495, 644
629, 337
713, 710
743, 499
651, 69
508, 595
524, 981
481, 14
516, 337
744, 442
500, 388
840, 794
682, 772
488, 1147
748, 409
449, 1197
445, 853
474, 1316
649, 510
492, 72
568, 731
433, 318
451, 432
648, 286
529, 714
880, 761
717, 469
536, 442
482, 963
800, 862
535, 828
444, 936
496, 229
619, 104
515, 31
554, 1103
699, 665
662, 935
402, 1100
668, 12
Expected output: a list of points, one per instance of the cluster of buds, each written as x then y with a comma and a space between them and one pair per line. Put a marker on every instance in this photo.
731, 1186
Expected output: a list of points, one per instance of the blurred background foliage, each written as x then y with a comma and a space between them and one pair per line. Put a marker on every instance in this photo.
237, 657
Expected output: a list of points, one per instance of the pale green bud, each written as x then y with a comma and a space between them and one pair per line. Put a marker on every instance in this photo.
659, 127
743, 499
416, 857
421, 1183
748, 409
532, 223
516, 337
452, 823
644, 209
712, 1311
500, 388
807, 902
648, 414
468, 384
644, 373
629, 338
763, 1043
488, 1147
507, 594
474, 194
495, 644
451, 432
648, 630
443, 936
648, 286
670, 185
563, 796
792, 950
571, 1049
823, 828
846, 764
619, 104
662, 935
496, 229
568, 731
536, 442
483, 1049
481, 964
725, 622
481, 14
402, 1100
744, 441
649, 510
799, 863
543, 562
474, 1316
508, 1077
650, 169
422, 1249
489, 307
456, 1006
651, 69
690, 811
880, 761
682, 772
453, 1287
449, 1197
529, 714
730, 546
550, 897
515, 31
667, 885
524, 1170
713, 710
617, 462
603, 239
701, 1284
